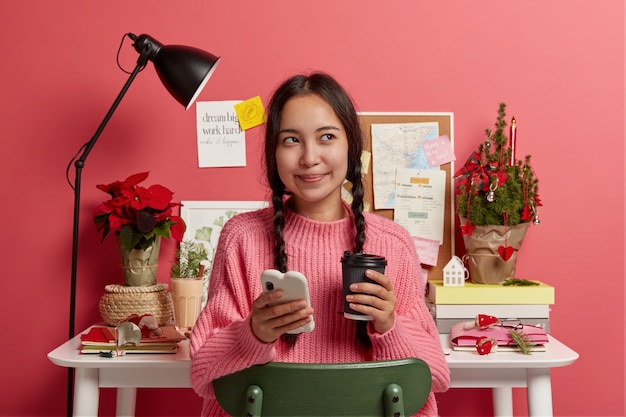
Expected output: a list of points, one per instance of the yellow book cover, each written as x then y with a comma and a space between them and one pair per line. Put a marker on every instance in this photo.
472, 293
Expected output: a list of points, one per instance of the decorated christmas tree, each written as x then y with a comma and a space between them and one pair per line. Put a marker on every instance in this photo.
495, 188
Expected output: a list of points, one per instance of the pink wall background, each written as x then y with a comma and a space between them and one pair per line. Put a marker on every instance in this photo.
559, 66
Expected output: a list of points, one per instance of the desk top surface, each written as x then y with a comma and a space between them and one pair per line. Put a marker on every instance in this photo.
557, 354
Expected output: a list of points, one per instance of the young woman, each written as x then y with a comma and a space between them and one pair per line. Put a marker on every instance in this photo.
313, 142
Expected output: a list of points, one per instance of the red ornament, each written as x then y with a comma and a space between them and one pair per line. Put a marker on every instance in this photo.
506, 252
485, 345
484, 321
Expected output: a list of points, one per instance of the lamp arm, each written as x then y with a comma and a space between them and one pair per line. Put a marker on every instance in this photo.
78, 165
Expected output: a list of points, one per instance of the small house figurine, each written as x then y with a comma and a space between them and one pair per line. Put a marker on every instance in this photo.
454, 273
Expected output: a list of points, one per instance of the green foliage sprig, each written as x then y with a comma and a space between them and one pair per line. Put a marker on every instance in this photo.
522, 341
519, 282
189, 258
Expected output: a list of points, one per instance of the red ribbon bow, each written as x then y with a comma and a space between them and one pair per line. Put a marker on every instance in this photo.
475, 171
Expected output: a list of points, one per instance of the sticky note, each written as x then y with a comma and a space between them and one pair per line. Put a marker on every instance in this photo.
439, 151
250, 113
427, 250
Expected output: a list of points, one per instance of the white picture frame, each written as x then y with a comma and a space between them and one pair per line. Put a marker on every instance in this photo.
205, 219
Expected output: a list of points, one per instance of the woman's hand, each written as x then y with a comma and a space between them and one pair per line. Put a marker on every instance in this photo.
377, 301
269, 322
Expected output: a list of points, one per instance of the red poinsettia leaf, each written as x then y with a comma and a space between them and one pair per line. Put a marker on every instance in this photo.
116, 222
135, 179
117, 188
538, 200
505, 252
178, 228
112, 189
157, 197
526, 213
101, 209
119, 203
164, 215
139, 199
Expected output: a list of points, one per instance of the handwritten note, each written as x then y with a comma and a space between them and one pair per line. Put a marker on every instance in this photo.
439, 151
420, 200
250, 113
221, 141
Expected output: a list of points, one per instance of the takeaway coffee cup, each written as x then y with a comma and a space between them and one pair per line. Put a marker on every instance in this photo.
353, 267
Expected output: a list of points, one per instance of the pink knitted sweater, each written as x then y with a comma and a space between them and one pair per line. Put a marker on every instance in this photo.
222, 341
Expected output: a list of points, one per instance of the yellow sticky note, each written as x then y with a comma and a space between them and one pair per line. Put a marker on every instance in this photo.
250, 113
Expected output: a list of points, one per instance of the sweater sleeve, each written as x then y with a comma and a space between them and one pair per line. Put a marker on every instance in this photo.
414, 333
222, 341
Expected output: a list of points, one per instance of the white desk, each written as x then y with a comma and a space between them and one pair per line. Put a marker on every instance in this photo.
500, 371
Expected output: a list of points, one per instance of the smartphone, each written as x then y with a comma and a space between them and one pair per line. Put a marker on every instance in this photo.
294, 287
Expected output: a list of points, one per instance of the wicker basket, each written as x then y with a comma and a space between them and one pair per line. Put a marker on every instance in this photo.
121, 301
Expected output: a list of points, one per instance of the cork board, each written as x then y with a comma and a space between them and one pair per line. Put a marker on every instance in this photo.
446, 125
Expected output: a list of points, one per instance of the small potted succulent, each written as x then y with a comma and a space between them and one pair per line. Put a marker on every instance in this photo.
496, 199
188, 273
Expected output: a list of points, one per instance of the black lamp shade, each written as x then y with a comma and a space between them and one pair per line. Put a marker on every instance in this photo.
183, 70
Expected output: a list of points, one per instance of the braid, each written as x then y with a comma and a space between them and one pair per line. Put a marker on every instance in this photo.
357, 210
280, 259
359, 240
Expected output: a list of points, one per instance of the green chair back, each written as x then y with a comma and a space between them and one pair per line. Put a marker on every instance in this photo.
381, 388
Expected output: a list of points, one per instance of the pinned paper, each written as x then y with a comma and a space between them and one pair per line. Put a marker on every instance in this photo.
366, 157
346, 192
221, 141
420, 201
427, 250
346, 195
397, 145
439, 151
250, 113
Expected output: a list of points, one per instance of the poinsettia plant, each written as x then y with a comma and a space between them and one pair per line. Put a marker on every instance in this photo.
138, 214
493, 188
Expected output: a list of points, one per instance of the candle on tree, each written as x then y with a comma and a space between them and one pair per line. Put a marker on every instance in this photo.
512, 139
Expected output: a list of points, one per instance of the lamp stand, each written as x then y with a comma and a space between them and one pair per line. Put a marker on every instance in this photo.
183, 71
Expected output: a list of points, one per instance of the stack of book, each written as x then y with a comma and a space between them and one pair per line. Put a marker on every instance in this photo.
450, 305
102, 339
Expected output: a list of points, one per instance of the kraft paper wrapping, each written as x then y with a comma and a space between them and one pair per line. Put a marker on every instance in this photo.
485, 264
140, 266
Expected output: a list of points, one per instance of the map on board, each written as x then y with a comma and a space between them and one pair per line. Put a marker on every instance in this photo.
397, 145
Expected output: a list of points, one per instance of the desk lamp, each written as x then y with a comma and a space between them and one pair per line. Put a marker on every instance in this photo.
184, 71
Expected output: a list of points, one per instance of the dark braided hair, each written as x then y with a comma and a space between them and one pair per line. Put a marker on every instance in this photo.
327, 88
